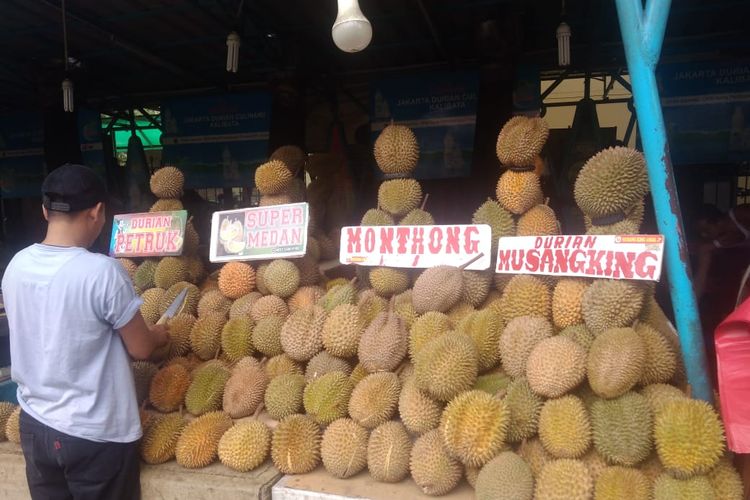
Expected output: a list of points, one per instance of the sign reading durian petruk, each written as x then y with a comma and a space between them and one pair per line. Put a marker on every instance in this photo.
624, 257
417, 246
272, 232
155, 234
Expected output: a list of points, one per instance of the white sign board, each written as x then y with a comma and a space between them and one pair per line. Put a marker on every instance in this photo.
417, 246
631, 257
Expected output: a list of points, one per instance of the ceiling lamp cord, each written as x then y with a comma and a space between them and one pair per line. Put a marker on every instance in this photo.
67, 83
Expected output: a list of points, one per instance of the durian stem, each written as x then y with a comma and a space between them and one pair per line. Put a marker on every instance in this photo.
464, 266
424, 201
258, 410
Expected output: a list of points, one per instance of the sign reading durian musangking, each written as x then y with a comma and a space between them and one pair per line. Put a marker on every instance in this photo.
155, 234
417, 246
624, 257
273, 232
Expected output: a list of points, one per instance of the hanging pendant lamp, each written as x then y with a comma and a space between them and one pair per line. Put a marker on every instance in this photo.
233, 52
351, 31
67, 83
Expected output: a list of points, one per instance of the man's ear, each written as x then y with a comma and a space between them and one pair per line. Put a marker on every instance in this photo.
97, 211
45, 213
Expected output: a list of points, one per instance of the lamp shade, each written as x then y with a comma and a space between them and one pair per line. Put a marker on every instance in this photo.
351, 31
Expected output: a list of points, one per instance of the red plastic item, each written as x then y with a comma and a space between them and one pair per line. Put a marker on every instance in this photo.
732, 339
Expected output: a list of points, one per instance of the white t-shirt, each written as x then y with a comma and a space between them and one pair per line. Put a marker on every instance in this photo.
64, 307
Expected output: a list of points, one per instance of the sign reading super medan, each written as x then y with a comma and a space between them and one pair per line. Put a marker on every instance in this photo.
631, 257
157, 234
417, 246
273, 232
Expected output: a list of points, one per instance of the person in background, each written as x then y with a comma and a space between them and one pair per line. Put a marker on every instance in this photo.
74, 324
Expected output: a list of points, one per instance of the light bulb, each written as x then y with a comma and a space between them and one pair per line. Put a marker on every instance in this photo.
233, 52
351, 31
67, 88
563, 44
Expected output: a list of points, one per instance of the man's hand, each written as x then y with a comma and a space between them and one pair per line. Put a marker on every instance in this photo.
161, 334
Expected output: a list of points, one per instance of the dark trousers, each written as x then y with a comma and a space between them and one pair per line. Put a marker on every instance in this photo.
62, 467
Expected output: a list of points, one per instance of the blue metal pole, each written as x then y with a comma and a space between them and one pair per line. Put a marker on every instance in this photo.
642, 33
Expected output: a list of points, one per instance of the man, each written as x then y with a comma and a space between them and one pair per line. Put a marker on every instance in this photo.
74, 319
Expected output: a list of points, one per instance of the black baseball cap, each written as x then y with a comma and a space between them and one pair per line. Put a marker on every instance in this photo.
72, 188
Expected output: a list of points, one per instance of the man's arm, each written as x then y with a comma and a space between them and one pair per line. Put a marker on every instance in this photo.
140, 339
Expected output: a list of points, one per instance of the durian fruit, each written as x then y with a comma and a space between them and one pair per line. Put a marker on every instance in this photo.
566, 302
150, 306
207, 388
270, 305
457, 313
342, 331
281, 364
518, 340
245, 446
309, 271
268, 200
534, 454
374, 400
615, 362
304, 297
383, 344
523, 409
6, 410
518, 192
143, 374
580, 334
291, 156
282, 278
13, 426
428, 326
260, 283
302, 333
205, 337
272, 178
418, 217
667, 487
344, 448
403, 305
726, 481
196, 269
266, 336
396, 150
358, 373
616, 224
660, 394
295, 445
398, 197
388, 452
166, 205
611, 304
595, 463
521, 140
417, 410
484, 328
447, 366
198, 443
190, 247
168, 388
191, 299
236, 279
144, 275
556, 366
387, 281
236, 339
538, 221
622, 429
283, 396
180, 327
471, 474
313, 247
213, 301
565, 427
661, 361
159, 441
170, 271
323, 363
369, 305
344, 293
689, 437
505, 477
494, 383
167, 182
335, 282
611, 181
437, 289
474, 427
476, 287
500, 220
327, 398
129, 266
564, 479
525, 295
376, 217
435, 472
245, 389
622, 482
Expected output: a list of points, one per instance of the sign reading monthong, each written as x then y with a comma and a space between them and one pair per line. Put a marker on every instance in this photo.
155, 234
417, 246
441, 110
632, 257
217, 141
272, 232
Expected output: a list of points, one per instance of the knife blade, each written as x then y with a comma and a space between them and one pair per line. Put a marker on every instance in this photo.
175, 308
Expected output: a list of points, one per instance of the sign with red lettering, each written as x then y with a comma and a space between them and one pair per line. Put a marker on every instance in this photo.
157, 234
273, 232
624, 257
417, 246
